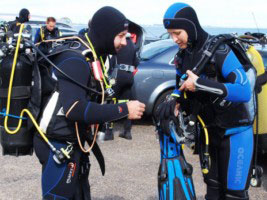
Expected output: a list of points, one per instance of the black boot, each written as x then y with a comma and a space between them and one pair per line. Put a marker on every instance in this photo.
126, 134
127, 126
109, 135
109, 132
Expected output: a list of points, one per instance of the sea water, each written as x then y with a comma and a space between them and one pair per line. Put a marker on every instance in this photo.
157, 30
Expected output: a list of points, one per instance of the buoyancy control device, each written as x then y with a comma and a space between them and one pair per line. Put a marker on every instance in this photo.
19, 112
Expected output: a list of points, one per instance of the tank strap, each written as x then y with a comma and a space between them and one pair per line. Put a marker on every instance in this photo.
42, 33
57, 52
3, 113
18, 92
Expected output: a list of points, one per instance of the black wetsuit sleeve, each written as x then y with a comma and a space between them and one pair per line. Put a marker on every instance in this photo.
74, 98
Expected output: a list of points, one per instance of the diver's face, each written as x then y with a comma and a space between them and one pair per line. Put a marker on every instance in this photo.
120, 40
50, 25
179, 36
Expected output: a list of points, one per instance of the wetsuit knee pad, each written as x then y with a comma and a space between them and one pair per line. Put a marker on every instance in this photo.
236, 195
211, 182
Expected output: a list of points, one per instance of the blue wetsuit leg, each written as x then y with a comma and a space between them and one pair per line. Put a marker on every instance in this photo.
64, 181
231, 157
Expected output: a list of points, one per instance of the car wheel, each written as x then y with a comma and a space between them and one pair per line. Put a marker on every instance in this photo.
160, 99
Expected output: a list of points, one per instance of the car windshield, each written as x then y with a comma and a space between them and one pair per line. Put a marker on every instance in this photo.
155, 48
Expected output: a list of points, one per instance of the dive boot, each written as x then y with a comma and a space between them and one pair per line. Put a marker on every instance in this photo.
109, 135
126, 134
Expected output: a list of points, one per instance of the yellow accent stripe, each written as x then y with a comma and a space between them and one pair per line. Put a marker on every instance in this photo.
175, 95
42, 33
123, 100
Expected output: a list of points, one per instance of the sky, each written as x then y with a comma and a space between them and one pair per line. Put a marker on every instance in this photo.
223, 13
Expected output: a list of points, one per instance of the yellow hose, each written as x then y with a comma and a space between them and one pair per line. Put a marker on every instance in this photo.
11, 84
101, 60
205, 129
203, 125
105, 73
91, 45
204, 170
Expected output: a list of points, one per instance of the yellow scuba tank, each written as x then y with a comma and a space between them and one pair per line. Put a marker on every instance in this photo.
257, 61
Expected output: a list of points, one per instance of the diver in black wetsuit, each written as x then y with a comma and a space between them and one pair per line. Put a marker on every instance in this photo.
69, 103
125, 63
47, 32
24, 16
128, 56
222, 89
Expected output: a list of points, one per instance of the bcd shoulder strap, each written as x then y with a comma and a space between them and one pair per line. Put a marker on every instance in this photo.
213, 45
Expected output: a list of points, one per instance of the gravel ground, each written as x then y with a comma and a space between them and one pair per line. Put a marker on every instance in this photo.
131, 171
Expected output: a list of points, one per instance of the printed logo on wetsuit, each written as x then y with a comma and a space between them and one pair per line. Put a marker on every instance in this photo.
239, 166
72, 168
120, 109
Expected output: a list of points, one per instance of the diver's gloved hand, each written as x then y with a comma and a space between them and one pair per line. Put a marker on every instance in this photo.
165, 113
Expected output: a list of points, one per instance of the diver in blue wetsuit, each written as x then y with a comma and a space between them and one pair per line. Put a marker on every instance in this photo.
222, 90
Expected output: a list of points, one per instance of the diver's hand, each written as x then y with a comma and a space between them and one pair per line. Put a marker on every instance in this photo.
189, 84
165, 112
136, 109
167, 108
176, 109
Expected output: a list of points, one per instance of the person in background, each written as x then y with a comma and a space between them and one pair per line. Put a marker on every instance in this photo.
47, 32
24, 16
127, 62
84, 30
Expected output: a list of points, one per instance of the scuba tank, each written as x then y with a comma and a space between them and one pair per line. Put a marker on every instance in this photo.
20, 143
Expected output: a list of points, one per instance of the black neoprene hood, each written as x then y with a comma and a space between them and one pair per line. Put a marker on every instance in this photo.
23, 15
106, 23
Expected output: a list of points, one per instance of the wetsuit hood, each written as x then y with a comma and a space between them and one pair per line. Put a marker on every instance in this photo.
23, 15
106, 23
183, 16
